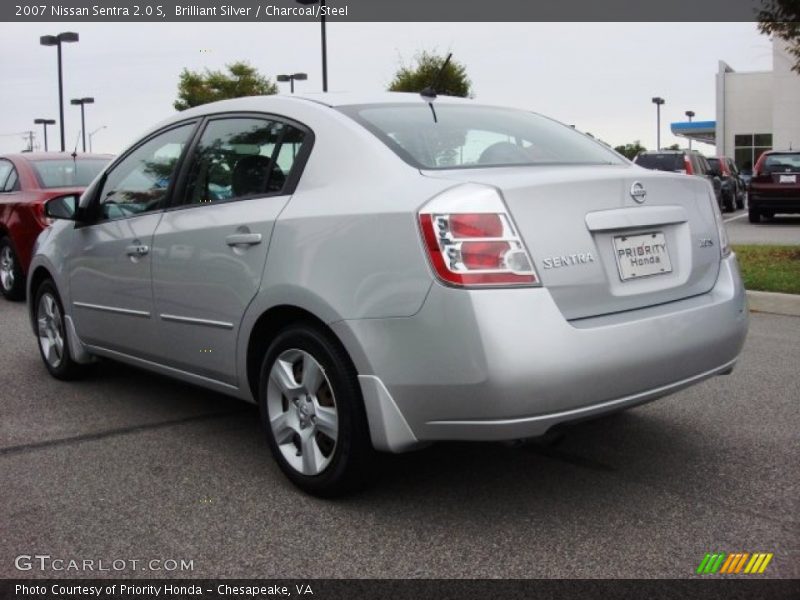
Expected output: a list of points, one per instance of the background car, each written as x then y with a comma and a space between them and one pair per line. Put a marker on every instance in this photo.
27, 181
382, 271
775, 185
690, 162
734, 188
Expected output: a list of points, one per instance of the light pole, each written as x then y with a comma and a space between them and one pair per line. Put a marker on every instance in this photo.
57, 40
82, 102
44, 123
690, 114
292, 78
91, 135
324, 40
658, 102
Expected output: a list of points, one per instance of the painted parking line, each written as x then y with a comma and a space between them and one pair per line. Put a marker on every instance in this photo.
741, 216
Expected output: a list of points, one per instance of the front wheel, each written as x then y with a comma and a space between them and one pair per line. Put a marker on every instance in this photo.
12, 280
754, 215
729, 202
51, 334
313, 412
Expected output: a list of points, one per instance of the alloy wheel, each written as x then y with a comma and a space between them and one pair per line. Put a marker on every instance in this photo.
7, 277
50, 327
302, 412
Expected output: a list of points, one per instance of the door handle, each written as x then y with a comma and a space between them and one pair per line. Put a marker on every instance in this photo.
243, 239
137, 250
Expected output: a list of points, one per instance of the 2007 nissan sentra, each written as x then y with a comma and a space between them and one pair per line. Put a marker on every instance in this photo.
381, 272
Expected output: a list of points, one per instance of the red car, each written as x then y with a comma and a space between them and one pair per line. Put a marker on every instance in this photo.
27, 181
775, 185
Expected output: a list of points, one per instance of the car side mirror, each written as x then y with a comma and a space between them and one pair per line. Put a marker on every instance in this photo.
62, 207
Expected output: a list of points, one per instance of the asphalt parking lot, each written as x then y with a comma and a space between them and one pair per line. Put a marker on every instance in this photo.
783, 229
129, 465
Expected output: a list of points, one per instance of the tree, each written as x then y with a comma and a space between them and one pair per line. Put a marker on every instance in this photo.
415, 78
782, 18
630, 151
673, 147
196, 88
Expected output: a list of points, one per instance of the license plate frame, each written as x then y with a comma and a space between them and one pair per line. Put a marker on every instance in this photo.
641, 255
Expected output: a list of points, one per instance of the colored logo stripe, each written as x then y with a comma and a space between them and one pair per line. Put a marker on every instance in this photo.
720, 562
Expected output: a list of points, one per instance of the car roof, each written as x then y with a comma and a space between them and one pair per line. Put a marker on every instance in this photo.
29, 156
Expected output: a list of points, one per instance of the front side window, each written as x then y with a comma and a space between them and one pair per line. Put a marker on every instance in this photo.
448, 136
5, 170
67, 172
12, 183
242, 157
139, 182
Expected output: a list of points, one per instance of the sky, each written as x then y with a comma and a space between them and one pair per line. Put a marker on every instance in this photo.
598, 76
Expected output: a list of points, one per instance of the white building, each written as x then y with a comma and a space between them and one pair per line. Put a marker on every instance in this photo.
756, 111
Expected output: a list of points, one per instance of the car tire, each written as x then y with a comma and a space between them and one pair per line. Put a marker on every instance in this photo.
12, 279
740, 202
753, 215
51, 334
313, 412
728, 202
769, 214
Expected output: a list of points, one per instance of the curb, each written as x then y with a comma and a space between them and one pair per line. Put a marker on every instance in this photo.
774, 303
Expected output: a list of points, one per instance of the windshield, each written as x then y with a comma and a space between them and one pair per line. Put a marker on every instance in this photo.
68, 172
450, 136
661, 162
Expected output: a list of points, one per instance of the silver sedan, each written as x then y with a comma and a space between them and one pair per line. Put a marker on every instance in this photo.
382, 272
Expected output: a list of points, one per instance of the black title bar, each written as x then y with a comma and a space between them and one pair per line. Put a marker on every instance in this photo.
380, 10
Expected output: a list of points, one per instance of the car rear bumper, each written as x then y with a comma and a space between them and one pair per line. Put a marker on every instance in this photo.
505, 364
790, 204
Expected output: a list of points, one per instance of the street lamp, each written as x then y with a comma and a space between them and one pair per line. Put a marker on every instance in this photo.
91, 135
292, 78
324, 40
690, 114
44, 123
57, 40
658, 102
82, 102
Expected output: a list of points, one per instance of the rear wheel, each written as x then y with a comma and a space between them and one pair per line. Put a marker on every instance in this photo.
769, 214
740, 201
728, 202
51, 334
754, 215
12, 280
313, 412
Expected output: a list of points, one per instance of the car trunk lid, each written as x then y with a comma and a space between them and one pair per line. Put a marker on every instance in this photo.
596, 248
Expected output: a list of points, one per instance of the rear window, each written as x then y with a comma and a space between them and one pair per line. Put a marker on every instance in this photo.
782, 163
452, 136
68, 172
661, 162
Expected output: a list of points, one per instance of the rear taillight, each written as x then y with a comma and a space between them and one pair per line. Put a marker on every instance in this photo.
688, 165
38, 210
471, 240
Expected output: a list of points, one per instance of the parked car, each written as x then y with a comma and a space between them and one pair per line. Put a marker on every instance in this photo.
27, 181
734, 188
690, 162
379, 272
775, 185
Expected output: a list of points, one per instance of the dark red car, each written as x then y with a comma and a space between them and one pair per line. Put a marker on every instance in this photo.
775, 185
27, 181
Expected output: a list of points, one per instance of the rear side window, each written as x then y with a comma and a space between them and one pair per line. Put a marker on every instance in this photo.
661, 162
71, 172
782, 163
240, 158
454, 136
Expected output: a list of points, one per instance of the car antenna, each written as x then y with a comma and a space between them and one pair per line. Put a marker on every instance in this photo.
429, 93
